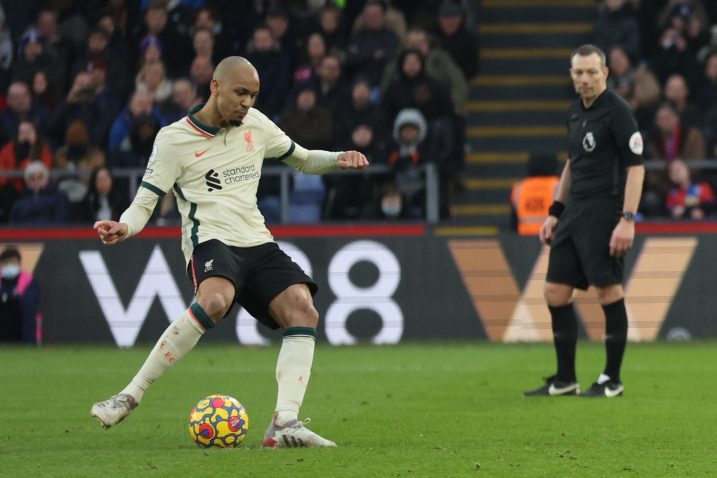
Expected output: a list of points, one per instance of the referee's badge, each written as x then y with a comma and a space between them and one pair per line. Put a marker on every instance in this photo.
589, 141
636, 144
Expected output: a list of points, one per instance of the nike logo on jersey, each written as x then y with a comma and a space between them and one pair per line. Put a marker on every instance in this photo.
553, 390
198, 154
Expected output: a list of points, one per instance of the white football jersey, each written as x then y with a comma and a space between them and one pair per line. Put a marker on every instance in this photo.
215, 174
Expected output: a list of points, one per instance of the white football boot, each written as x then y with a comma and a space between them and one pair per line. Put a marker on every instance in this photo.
113, 410
293, 435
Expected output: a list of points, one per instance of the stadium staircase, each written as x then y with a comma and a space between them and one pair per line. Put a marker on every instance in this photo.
518, 101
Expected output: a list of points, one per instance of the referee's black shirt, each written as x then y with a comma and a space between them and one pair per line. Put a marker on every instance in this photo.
603, 141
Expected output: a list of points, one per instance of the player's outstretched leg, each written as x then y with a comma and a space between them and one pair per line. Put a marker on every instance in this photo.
179, 338
293, 369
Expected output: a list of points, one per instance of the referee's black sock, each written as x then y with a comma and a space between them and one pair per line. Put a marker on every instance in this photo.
615, 337
565, 338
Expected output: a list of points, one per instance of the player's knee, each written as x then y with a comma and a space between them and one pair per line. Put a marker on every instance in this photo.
304, 314
215, 305
610, 294
557, 295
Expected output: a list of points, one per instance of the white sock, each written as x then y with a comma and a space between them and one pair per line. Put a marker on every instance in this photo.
293, 369
179, 338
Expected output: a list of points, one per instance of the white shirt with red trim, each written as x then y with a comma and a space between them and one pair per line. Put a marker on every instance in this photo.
214, 174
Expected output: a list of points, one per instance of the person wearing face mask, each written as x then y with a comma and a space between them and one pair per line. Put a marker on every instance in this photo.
27, 146
19, 297
77, 157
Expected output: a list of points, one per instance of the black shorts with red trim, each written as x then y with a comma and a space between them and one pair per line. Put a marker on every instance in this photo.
258, 273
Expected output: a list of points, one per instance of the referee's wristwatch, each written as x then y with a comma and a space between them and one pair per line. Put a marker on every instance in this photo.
629, 216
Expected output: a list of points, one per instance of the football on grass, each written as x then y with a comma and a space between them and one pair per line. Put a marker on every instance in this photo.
218, 421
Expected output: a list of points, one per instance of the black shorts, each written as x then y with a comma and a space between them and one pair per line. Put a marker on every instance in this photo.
580, 250
258, 273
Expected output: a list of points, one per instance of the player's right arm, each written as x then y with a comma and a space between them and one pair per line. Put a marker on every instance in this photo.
161, 173
561, 196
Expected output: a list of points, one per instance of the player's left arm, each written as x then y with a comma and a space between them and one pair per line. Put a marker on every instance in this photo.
316, 161
630, 146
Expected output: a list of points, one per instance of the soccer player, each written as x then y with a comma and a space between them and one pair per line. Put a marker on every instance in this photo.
212, 160
592, 222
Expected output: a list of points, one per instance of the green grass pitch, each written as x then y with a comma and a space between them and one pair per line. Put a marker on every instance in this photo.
414, 410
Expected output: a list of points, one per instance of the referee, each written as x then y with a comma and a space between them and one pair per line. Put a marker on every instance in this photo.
592, 223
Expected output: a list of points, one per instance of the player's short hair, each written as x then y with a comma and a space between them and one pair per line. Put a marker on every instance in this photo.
587, 50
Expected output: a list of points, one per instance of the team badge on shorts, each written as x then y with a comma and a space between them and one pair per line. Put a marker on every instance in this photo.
589, 141
209, 265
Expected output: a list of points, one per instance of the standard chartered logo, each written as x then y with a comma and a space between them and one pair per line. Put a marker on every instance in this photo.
238, 175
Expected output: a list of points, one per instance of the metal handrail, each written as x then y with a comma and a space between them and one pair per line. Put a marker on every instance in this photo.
134, 175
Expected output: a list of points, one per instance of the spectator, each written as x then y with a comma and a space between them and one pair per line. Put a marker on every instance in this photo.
201, 73
279, 23
76, 158
438, 65
20, 107
707, 96
175, 47
32, 57
416, 143
331, 84
359, 111
314, 53
531, 198
272, 63
46, 95
89, 101
687, 198
636, 84
203, 44
690, 18
137, 127
26, 147
674, 139
19, 300
224, 44
462, 44
394, 19
56, 45
306, 122
673, 56
42, 203
101, 49
616, 26
678, 93
332, 29
184, 98
103, 201
152, 78
414, 89
352, 196
5, 52
372, 46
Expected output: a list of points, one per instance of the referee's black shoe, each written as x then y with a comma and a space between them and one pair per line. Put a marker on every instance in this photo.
554, 388
607, 389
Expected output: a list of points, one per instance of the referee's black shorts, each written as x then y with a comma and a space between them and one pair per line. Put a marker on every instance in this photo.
258, 273
580, 250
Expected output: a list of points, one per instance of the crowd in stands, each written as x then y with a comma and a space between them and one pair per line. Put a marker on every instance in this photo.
662, 57
85, 86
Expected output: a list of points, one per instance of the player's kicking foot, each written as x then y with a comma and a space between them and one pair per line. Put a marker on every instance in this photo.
554, 388
293, 435
113, 410
608, 389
